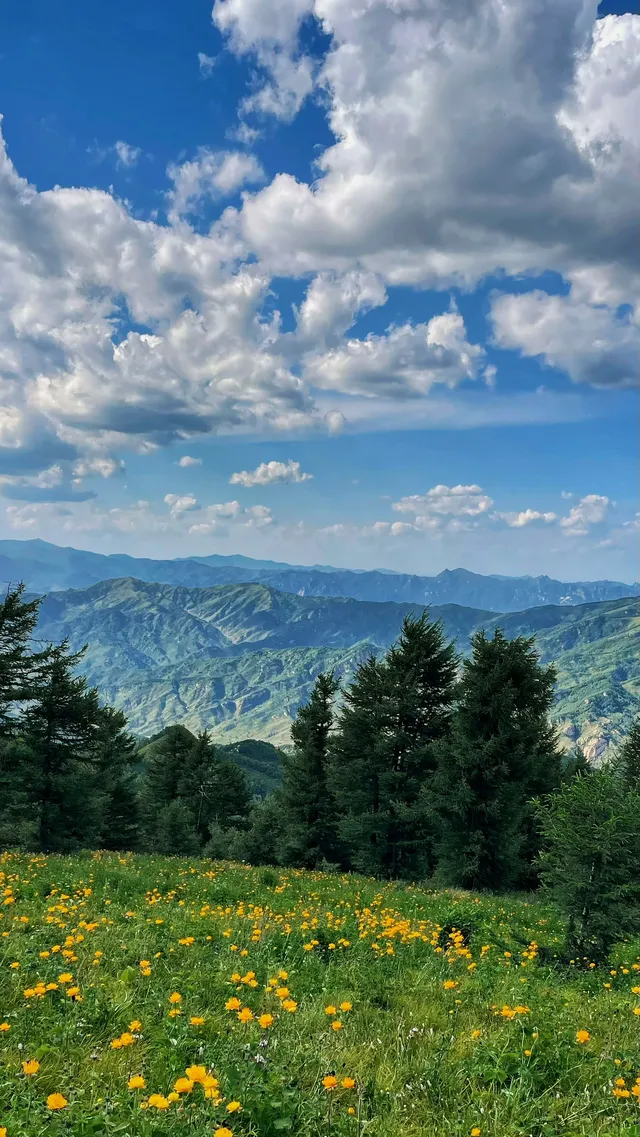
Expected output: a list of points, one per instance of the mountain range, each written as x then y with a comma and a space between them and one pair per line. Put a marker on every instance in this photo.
45, 568
238, 659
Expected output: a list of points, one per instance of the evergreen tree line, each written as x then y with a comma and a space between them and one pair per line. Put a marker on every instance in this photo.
72, 776
424, 766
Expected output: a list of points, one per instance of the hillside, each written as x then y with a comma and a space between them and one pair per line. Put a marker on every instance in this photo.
45, 567
239, 659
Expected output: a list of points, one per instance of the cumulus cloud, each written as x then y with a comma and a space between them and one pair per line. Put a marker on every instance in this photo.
593, 344
100, 465
78, 269
49, 485
180, 503
405, 360
590, 510
469, 139
212, 173
215, 518
457, 501
527, 517
187, 461
332, 303
270, 473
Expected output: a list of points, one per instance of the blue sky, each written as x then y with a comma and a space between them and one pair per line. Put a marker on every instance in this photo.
374, 262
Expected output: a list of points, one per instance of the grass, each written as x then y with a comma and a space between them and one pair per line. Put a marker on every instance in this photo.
449, 1025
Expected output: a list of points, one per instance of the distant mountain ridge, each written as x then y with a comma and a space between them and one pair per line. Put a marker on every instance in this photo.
46, 567
239, 659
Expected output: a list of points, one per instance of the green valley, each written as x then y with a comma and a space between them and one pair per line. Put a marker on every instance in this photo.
239, 659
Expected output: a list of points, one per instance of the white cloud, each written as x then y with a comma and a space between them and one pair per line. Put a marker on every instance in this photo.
180, 503
103, 465
591, 343
470, 139
590, 510
187, 461
77, 269
126, 155
212, 173
270, 473
215, 518
206, 63
405, 360
332, 303
527, 517
265, 30
455, 501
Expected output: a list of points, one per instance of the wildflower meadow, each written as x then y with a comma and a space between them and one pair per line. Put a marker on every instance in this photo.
150, 996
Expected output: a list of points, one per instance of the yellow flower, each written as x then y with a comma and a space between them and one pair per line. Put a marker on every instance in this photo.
183, 1086
222, 1132
30, 1067
56, 1101
173, 1096
330, 1082
348, 1083
290, 1005
196, 1020
135, 1025
233, 1004
582, 1036
5, 1026
66, 977
336, 1025
283, 975
175, 998
265, 1021
3, 1131
346, 1007
449, 984
233, 1107
282, 992
198, 1074
476, 1033
136, 1082
245, 1015
158, 1101
330, 1010
475, 1132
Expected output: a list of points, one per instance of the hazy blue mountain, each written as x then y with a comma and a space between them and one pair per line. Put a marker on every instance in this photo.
239, 659
45, 568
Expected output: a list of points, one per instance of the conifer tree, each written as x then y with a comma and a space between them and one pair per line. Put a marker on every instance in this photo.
175, 833
307, 806
502, 752
215, 789
628, 763
18, 662
116, 753
591, 860
164, 758
60, 727
395, 712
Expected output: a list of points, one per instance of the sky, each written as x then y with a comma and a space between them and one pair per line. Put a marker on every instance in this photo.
349, 282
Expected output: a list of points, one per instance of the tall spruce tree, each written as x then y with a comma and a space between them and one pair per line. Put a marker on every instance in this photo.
502, 752
116, 754
308, 809
628, 762
18, 661
395, 712
591, 860
60, 727
214, 788
164, 758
